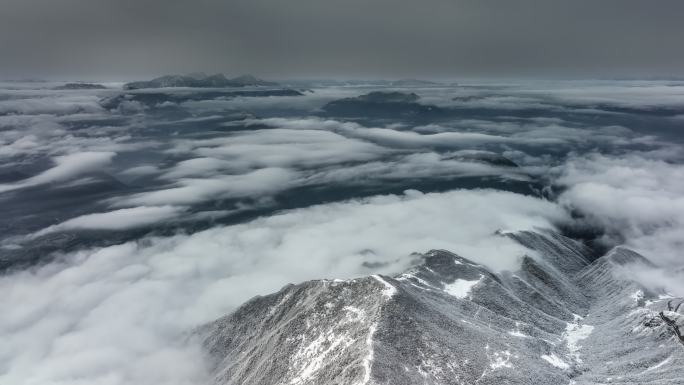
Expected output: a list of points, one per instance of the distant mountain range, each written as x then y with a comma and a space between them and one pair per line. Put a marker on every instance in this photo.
80, 86
382, 104
400, 83
199, 80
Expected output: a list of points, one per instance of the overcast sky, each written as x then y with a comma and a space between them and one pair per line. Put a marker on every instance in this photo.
386, 38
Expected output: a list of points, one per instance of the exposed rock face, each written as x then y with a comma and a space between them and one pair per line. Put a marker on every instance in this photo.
558, 320
199, 80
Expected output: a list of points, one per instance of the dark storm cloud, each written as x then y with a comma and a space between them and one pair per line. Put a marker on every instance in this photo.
351, 37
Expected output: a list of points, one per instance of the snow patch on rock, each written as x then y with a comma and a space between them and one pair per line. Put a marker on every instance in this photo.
574, 333
315, 354
500, 360
390, 290
556, 361
658, 365
461, 288
368, 361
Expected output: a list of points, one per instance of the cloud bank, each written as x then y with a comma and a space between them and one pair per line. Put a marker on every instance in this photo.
118, 315
121, 219
67, 166
118, 312
639, 201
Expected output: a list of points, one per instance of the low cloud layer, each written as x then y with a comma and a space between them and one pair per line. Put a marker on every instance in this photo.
187, 191
261, 192
67, 167
639, 201
118, 315
121, 219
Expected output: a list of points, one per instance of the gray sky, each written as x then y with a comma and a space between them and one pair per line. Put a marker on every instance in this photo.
386, 38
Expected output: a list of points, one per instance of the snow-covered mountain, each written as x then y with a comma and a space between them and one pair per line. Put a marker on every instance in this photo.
559, 319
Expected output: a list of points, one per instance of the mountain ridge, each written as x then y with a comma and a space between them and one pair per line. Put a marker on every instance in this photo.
449, 320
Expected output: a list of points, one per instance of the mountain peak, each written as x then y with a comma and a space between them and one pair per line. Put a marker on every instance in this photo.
445, 321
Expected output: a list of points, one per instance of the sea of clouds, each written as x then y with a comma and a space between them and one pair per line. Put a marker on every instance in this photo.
286, 193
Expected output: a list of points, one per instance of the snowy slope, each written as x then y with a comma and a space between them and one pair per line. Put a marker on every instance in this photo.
558, 319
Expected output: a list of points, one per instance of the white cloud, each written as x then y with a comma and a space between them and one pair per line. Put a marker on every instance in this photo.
306, 103
469, 133
119, 315
199, 167
638, 199
414, 166
141, 170
117, 220
638, 94
389, 137
41, 135
47, 103
659, 278
194, 190
559, 95
280, 147
67, 166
